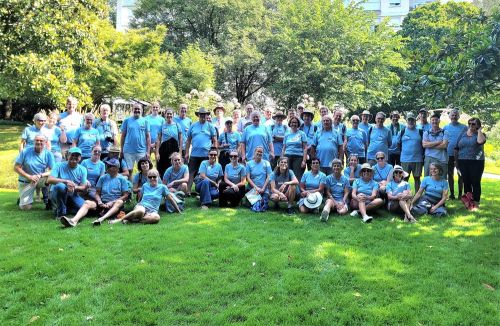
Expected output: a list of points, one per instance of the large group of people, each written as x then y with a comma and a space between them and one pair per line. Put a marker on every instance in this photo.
259, 160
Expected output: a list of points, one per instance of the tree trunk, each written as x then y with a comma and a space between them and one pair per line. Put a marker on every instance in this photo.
8, 109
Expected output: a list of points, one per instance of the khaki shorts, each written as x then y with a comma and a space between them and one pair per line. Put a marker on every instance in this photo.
414, 168
27, 190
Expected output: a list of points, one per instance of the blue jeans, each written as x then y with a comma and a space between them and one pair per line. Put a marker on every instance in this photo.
207, 191
61, 199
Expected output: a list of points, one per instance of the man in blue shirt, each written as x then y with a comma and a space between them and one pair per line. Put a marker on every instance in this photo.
454, 129
136, 138
185, 122
395, 128
379, 139
435, 142
309, 129
356, 141
278, 132
155, 122
108, 130
32, 165
365, 121
423, 123
70, 120
412, 153
68, 178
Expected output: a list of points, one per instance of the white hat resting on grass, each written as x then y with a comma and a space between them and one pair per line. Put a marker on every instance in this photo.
313, 200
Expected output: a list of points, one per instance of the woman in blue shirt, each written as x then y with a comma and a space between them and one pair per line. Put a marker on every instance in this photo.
352, 172
436, 193
365, 194
232, 189
209, 177
86, 137
337, 191
229, 141
29, 133
382, 173
95, 169
399, 194
55, 135
284, 184
144, 165
295, 147
177, 176
258, 176
169, 141
311, 181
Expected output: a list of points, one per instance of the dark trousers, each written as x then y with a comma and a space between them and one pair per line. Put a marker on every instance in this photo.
166, 149
230, 198
295, 164
394, 159
224, 159
451, 179
472, 172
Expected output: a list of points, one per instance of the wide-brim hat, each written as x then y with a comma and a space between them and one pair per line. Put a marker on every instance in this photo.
400, 168
307, 111
423, 110
409, 116
114, 149
313, 200
75, 150
366, 166
279, 114
366, 112
219, 106
201, 111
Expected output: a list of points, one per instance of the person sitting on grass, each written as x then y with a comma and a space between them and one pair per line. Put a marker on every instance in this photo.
365, 194
232, 189
144, 165
258, 175
436, 193
32, 165
284, 185
209, 177
112, 190
68, 179
151, 195
352, 172
95, 169
311, 182
177, 175
399, 194
337, 191
382, 173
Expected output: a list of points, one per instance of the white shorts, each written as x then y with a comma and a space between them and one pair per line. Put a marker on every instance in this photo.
132, 158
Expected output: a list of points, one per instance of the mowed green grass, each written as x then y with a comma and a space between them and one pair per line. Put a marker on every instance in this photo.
230, 266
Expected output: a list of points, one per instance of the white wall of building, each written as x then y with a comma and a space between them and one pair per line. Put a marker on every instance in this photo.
124, 14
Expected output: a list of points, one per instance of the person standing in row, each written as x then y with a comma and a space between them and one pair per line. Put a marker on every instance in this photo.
70, 121
412, 152
86, 137
108, 130
309, 130
254, 136
229, 141
327, 145
278, 132
365, 124
169, 141
379, 139
30, 132
454, 130
219, 121
435, 142
395, 128
156, 122
185, 122
423, 124
55, 135
295, 148
356, 140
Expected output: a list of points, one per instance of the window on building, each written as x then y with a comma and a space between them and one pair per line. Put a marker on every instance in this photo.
394, 3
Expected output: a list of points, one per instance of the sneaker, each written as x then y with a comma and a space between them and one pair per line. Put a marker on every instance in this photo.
290, 211
67, 222
354, 213
96, 223
324, 216
204, 207
367, 219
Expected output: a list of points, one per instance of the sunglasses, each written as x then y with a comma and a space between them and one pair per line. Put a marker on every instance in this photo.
366, 171
470, 124
152, 177
41, 120
398, 172
212, 154
96, 152
233, 156
355, 120
380, 158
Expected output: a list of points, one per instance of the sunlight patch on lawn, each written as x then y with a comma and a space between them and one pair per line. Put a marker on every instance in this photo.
321, 251
468, 226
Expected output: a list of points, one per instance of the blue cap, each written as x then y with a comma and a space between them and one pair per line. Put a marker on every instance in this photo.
112, 162
75, 150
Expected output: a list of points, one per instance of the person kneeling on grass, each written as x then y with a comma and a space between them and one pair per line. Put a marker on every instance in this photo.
337, 191
284, 184
112, 190
399, 194
436, 193
146, 211
365, 194
207, 182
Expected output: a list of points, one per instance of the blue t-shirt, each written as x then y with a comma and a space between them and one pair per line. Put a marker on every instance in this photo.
170, 131
294, 143
439, 154
356, 142
70, 122
425, 127
469, 149
434, 188
256, 136
86, 140
279, 180
232, 138
155, 125
34, 163
172, 175
381, 174
258, 172
106, 129
140, 179
394, 132
112, 188
94, 170
29, 134
411, 145
135, 139
201, 138
337, 186
213, 172
363, 187
395, 188
234, 174
340, 128
310, 131
78, 175
357, 171
279, 131
454, 130
312, 181
152, 196
185, 124
365, 127
380, 140
53, 135
327, 146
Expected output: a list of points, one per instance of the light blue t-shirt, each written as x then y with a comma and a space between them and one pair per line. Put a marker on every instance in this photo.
185, 124
234, 174
411, 145
469, 149
29, 134
86, 140
394, 132
381, 174
327, 146
425, 127
213, 172
152, 196
140, 179
232, 138
172, 175
106, 129
279, 131
395, 188
434, 188
256, 136
170, 131
258, 172
439, 154
357, 171
380, 140
201, 138
454, 130
137, 130
337, 186
112, 188
310, 131
356, 142
363, 187
53, 135
312, 181
294, 142
78, 175
94, 170
70, 122
155, 126
365, 127
34, 163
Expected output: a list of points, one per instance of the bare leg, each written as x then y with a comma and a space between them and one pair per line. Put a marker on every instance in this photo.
25, 207
151, 218
292, 191
135, 214
362, 208
303, 209
112, 211
405, 206
343, 211
82, 212
184, 188
376, 203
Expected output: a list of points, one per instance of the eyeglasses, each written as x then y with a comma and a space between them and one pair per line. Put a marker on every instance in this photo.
470, 123
398, 172
41, 120
380, 158
212, 154
96, 152
366, 171
152, 177
355, 120
233, 156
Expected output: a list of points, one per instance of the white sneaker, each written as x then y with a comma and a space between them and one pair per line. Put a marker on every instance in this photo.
367, 219
354, 213
324, 216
